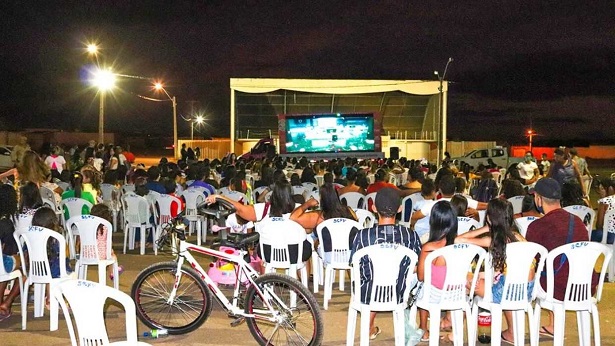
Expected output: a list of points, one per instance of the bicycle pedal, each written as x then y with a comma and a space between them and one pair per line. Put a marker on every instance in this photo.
238, 321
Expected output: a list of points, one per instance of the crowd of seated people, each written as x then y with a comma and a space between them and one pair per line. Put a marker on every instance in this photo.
454, 189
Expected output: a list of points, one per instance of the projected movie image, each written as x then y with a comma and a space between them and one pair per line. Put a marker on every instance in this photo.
329, 133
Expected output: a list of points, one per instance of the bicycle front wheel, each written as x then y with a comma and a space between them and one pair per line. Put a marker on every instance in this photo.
151, 291
298, 320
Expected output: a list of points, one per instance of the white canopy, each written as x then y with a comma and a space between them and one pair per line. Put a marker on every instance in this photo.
336, 86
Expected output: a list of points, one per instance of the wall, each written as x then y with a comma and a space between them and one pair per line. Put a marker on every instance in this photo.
215, 148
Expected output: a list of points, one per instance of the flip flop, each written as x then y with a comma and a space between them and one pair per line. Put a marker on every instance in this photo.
545, 332
506, 341
5, 316
375, 334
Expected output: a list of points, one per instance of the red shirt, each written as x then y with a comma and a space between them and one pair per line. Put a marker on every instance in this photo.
551, 231
375, 187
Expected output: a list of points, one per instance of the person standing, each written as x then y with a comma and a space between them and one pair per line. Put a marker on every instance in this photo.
557, 227
528, 169
19, 150
546, 164
583, 170
564, 170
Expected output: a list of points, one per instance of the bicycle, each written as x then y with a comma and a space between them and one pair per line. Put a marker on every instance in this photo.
170, 295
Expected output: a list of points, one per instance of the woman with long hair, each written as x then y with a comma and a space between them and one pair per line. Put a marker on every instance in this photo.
30, 198
494, 236
32, 168
330, 208
442, 232
10, 251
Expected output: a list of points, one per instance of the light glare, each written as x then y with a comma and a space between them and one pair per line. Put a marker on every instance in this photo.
104, 79
92, 48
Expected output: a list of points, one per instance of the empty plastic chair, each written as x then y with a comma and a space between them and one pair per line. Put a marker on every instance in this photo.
334, 249
90, 254
517, 203
87, 302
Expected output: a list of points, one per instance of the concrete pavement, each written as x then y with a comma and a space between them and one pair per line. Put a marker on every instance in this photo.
217, 330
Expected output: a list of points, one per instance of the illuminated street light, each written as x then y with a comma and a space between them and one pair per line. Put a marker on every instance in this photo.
158, 86
92, 48
104, 80
199, 120
531, 134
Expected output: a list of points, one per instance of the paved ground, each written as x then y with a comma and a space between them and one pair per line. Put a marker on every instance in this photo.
217, 330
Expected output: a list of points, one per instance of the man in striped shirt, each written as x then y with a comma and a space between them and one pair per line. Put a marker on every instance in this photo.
387, 205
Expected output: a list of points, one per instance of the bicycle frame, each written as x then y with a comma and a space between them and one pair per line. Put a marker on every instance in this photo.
242, 270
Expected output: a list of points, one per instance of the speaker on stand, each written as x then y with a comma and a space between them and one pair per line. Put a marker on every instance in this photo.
394, 153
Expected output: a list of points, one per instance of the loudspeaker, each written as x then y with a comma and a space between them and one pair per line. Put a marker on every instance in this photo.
394, 153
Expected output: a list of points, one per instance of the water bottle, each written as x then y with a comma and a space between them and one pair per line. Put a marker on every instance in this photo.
156, 333
484, 327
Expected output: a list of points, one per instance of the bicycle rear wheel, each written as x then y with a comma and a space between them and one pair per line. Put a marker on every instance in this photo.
298, 316
190, 308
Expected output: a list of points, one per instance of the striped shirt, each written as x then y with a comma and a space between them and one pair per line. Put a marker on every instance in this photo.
379, 234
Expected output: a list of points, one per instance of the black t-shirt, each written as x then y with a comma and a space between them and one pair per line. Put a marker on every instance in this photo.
6, 237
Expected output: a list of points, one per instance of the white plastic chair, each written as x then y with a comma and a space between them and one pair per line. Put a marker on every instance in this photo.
49, 199
277, 234
586, 214
465, 224
128, 188
236, 196
193, 198
581, 258
334, 249
257, 192
524, 222
87, 302
311, 186
136, 215
299, 190
366, 218
73, 207
517, 203
406, 210
393, 267
355, 200
38, 272
515, 293
15, 276
110, 196
459, 263
23, 222
165, 205
88, 229
369, 200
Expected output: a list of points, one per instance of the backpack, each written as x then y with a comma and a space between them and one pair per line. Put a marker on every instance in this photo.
486, 190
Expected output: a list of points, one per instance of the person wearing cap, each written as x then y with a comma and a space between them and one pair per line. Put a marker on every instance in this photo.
557, 227
387, 205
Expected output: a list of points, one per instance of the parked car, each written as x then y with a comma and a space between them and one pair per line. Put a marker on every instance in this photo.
499, 155
5, 157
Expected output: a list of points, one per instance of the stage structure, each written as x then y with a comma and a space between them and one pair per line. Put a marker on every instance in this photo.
409, 109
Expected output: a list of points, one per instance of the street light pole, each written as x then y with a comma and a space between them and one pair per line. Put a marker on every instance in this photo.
174, 126
101, 118
441, 126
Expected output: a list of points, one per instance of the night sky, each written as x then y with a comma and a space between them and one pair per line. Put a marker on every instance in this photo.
548, 64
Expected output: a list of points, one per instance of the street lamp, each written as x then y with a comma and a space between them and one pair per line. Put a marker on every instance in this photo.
104, 80
441, 121
158, 86
199, 120
531, 134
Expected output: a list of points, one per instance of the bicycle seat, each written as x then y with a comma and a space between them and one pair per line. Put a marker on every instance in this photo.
218, 210
238, 241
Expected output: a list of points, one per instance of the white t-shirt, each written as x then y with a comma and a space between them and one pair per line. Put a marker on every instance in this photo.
526, 170
57, 162
421, 226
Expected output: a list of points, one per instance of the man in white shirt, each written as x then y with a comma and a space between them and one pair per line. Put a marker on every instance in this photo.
420, 218
528, 169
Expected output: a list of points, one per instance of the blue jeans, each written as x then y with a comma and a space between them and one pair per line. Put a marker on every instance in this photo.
597, 236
